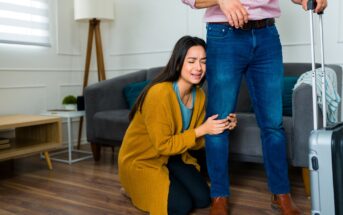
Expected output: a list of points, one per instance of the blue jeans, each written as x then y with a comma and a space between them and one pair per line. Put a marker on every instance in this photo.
256, 55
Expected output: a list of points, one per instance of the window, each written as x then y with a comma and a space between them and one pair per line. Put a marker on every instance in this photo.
24, 22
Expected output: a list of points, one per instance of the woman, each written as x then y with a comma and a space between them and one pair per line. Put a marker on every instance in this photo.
157, 172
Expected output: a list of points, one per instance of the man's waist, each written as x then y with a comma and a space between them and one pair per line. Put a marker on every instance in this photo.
252, 24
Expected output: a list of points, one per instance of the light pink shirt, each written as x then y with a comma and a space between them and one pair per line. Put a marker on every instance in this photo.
257, 9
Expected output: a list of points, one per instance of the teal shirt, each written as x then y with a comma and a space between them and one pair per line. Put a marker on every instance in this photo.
185, 111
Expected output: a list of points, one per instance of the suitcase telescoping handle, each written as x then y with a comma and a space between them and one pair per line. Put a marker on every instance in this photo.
311, 5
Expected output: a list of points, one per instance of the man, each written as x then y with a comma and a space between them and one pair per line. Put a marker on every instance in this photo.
242, 41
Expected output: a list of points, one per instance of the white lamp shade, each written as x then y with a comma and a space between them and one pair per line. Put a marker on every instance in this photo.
85, 10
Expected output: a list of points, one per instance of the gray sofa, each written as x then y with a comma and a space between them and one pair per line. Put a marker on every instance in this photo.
107, 116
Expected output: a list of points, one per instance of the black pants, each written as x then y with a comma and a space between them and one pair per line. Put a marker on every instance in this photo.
188, 189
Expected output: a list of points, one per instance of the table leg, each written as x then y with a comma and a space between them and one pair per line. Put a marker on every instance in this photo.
47, 159
70, 142
80, 133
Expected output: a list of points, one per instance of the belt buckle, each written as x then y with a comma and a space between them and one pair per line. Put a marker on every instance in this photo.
247, 26
257, 24
261, 24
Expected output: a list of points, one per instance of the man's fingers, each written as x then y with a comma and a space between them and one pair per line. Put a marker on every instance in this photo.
235, 19
240, 18
304, 4
245, 15
234, 11
321, 5
229, 19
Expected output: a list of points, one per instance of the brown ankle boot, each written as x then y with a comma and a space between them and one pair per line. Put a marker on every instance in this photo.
219, 206
285, 204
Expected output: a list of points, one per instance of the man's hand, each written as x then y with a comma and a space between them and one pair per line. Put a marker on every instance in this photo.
236, 14
321, 4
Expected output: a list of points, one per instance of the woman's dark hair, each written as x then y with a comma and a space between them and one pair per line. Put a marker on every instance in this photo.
172, 70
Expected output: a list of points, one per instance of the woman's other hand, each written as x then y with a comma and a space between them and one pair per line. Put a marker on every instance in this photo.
232, 118
214, 126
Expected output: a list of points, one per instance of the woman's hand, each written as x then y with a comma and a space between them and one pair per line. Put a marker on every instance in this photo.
214, 126
232, 118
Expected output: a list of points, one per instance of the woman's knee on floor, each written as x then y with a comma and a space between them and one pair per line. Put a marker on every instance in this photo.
202, 201
181, 206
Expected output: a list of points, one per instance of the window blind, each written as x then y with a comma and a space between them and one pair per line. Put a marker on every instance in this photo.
24, 22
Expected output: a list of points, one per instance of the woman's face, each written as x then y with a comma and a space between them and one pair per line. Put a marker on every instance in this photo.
194, 65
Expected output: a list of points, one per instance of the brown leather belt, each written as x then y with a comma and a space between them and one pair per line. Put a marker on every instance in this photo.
253, 24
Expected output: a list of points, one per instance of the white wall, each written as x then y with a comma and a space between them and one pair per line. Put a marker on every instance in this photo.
34, 79
295, 33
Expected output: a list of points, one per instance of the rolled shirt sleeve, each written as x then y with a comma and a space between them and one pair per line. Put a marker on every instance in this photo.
191, 3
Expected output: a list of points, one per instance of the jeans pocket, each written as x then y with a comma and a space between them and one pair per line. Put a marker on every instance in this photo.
217, 31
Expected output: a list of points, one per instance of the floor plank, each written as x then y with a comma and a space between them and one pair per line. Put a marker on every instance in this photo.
28, 187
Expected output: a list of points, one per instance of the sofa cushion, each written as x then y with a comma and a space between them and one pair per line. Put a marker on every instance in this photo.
111, 124
133, 90
245, 142
153, 72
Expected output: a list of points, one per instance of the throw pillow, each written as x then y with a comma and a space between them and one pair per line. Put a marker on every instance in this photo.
288, 84
133, 90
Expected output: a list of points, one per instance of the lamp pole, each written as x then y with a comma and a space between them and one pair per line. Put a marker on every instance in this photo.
93, 11
94, 28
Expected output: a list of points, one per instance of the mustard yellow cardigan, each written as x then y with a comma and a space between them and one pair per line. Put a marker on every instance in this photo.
153, 136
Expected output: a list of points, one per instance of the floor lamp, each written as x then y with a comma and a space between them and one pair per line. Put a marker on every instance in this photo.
93, 11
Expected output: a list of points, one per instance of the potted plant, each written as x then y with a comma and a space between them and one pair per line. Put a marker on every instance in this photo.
69, 102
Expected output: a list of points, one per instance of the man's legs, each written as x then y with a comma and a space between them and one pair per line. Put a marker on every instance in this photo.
226, 61
265, 82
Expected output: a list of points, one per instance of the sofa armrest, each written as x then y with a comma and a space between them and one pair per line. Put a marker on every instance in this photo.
302, 124
107, 95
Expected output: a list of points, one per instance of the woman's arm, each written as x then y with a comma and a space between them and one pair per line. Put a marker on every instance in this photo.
213, 126
161, 126
157, 113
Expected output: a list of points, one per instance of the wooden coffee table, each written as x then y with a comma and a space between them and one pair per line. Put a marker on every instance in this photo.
30, 134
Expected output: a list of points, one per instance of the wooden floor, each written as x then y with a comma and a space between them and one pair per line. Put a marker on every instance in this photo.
28, 187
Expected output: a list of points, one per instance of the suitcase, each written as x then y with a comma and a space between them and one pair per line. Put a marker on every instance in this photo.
325, 147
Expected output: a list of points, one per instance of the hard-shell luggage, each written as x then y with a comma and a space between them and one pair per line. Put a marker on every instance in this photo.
325, 147
326, 159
